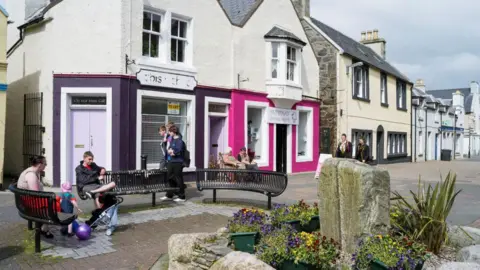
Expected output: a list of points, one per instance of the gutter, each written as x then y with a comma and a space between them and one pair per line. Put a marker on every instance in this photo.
426, 132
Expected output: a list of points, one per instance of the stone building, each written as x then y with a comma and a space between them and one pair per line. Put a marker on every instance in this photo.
362, 94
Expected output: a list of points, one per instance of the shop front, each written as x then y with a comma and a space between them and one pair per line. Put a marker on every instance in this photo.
279, 139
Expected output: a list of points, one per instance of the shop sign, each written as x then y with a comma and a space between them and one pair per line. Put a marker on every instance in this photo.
282, 116
165, 79
87, 100
173, 108
446, 123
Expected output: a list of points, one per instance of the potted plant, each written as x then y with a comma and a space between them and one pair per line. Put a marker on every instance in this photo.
273, 247
387, 252
244, 228
301, 216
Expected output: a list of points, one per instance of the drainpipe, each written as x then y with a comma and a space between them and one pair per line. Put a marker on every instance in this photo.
426, 132
441, 133
411, 142
455, 136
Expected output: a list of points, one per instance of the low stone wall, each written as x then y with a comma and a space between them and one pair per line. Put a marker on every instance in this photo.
206, 253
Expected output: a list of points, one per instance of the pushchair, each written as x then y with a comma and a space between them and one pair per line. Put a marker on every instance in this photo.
108, 212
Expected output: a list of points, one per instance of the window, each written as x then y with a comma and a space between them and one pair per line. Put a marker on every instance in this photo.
178, 40
284, 62
305, 134
151, 34
291, 63
437, 116
397, 143
420, 143
257, 136
357, 134
275, 60
155, 113
360, 83
401, 96
383, 89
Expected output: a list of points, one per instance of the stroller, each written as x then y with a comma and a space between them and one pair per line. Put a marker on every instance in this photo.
103, 216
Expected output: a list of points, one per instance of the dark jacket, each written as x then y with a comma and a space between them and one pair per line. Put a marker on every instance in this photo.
363, 153
166, 143
347, 153
86, 176
178, 148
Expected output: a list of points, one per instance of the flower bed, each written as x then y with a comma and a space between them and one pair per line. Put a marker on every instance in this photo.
301, 216
245, 227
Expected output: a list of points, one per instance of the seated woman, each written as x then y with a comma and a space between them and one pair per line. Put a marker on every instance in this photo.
246, 159
230, 161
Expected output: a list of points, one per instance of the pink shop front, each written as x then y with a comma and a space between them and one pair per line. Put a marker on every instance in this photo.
284, 140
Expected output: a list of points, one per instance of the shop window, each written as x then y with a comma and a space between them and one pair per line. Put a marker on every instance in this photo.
158, 112
257, 133
305, 134
397, 142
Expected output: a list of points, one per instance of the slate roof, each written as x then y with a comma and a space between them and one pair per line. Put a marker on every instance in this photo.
358, 50
418, 93
447, 94
239, 11
4, 11
277, 32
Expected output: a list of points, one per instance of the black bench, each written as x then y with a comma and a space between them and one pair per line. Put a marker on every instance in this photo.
39, 207
272, 184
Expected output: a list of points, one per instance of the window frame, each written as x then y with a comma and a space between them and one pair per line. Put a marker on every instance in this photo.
365, 82
150, 32
399, 146
177, 38
401, 90
384, 89
264, 129
309, 153
282, 62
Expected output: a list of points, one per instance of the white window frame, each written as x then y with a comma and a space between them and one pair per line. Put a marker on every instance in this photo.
364, 92
309, 153
185, 39
383, 88
274, 59
190, 99
264, 129
282, 62
160, 34
206, 146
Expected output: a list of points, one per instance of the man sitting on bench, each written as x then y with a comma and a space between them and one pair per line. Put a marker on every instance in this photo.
89, 176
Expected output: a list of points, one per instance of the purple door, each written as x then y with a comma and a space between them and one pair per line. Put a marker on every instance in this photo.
217, 136
88, 133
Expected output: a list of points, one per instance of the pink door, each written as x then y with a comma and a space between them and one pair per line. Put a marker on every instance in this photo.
88, 133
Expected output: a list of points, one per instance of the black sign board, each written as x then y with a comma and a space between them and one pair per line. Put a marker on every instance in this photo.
325, 141
84, 100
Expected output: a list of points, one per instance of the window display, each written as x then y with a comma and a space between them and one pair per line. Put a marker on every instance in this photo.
255, 139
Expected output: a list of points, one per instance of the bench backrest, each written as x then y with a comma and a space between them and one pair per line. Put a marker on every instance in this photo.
38, 206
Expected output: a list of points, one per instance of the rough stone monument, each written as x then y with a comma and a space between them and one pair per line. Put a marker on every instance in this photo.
354, 201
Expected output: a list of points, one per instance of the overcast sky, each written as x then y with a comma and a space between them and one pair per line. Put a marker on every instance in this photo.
438, 41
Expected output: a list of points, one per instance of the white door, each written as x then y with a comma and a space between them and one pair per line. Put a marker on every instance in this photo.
88, 133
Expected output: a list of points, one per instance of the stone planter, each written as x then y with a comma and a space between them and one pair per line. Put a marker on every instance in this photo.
244, 241
291, 265
313, 225
378, 265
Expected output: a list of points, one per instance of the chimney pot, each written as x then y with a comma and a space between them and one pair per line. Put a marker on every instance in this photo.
369, 35
363, 35
375, 33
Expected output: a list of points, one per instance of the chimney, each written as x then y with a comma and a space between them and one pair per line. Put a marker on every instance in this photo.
363, 35
375, 43
419, 84
302, 7
474, 88
457, 99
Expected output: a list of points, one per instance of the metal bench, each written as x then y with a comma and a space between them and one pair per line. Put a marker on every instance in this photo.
136, 182
272, 184
39, 207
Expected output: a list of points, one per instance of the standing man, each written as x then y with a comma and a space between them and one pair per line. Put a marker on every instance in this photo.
344, 148
363, 151
175, 159
163, 147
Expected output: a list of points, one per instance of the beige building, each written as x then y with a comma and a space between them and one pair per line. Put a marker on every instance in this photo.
3, 85
362, 94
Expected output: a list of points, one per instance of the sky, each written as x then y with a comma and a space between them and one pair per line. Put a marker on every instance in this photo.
437, 41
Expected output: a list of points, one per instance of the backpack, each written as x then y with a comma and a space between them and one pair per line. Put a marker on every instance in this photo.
66, 205
185, 155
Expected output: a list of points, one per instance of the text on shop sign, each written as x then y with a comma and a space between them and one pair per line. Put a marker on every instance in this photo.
164, 79
282, 116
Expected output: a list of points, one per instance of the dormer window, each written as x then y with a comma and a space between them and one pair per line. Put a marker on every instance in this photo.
284, 56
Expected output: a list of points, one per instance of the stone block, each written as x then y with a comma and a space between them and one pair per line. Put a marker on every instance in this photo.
469, 254
459, 266
240, 261
463, 236
181, 247
354, 201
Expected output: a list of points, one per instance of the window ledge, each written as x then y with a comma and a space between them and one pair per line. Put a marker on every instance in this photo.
397, 155
304, 159
361, 99
401, 109
284, 83
158, 65
385, 105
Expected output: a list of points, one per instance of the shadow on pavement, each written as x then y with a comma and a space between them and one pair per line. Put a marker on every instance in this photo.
237, 202
10, 251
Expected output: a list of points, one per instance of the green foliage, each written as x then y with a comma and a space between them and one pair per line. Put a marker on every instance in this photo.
247, 220
273, 247
397, 253
315, 249
299, 211
424, 219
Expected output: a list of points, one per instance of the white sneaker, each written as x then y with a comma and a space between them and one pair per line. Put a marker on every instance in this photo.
109, 232
179, 200
165, 198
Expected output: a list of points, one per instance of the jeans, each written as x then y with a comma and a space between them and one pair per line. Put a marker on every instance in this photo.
113, 214
175, 178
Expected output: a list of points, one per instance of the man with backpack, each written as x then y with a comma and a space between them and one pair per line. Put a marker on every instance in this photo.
175, 163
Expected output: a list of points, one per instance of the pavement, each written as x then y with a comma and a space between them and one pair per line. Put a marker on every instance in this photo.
143, 236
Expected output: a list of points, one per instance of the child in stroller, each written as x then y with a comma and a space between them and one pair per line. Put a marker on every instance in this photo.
106, 215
